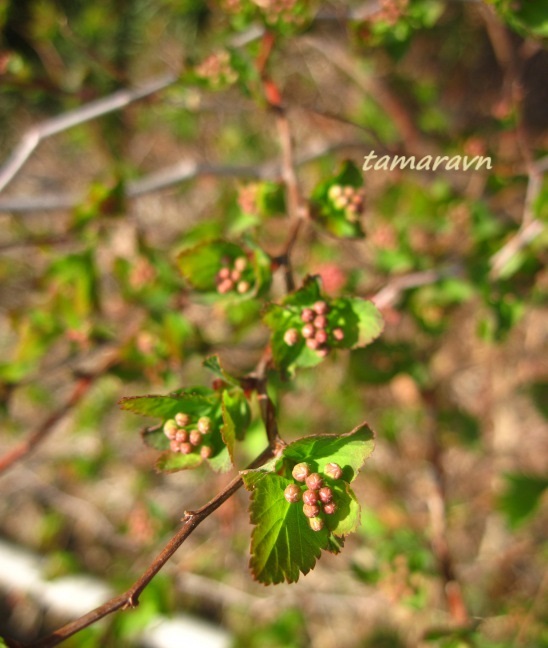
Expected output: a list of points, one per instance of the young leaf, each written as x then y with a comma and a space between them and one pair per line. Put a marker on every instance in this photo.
337, 203
196, 404
283, 544
349, 323
213, 363
224, 269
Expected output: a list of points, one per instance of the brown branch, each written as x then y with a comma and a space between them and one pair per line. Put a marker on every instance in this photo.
81, 388
130, 598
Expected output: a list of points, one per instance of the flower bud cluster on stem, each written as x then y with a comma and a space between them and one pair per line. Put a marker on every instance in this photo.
317, 498
315, 330
187, 436
350, 199
234, 277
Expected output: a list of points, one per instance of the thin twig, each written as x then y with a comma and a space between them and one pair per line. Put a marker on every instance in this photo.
130, 598
88, 112
80, 389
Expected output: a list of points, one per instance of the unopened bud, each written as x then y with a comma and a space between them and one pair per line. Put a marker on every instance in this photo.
334, 192
308, 330
206, 451
204, 424
224, 273
181, 436
301, 471
310, 497
348, 191
291, 337
320, 321
185, 448
170, 429
182, 419
313, 344
225, 286
195, 437
292, 493
235, 275
321, 336
330, 508
314, 481
316, 523
338, 334
240, 264
333, 470
321, 308
174, 446
307, 315
311, 510
325, 494
243, 287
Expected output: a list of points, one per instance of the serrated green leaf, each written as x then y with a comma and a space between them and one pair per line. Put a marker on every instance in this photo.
348, 450
213, 363
173, 462
282, 544
338, 220
521, 497
359, 320
195, 403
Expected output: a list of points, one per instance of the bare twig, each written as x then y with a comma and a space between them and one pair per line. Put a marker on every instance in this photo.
81, 115
130, 598
81, 388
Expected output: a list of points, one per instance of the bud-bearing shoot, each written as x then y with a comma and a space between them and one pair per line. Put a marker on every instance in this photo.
187, 435
235, 276
310, 487
315, 330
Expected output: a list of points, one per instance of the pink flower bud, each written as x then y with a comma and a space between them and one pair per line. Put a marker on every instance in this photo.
321, 308
170, 429
291, 337
325, 494
320, 321
316, 523
301, 471
243, 287
204, 424
307, 315
310, 497
224, 273
314, 481
185, 448
308, 330
235, 275
206, 451
313, 344
292, 493
240, 264
225, 286
311, 510
182, 419
321, 336
195, 437
338, 334
333, 470
330, 508
181, 436
174, 446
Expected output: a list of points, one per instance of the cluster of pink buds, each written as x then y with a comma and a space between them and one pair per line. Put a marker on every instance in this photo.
348, 198
280, 10
317, 497
186, 436
217, 69
315, 330
234, 278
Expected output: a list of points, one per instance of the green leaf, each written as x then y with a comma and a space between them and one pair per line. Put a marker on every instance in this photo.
335, 212
201, 264
522, 496
359, 320
196, 403
236, 418
213, 363
349, 450
283, 545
